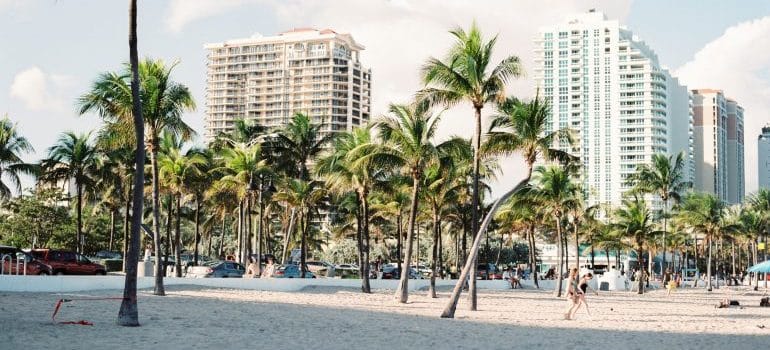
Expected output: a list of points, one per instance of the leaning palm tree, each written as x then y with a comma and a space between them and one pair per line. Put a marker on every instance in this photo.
129, 312
665, 177
12, 146
467, 75
520, 128
634, 222
705, 214
73, 158
163, 101
305, 197
407, 135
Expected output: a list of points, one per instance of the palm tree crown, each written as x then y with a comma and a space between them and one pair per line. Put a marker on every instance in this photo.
12, 146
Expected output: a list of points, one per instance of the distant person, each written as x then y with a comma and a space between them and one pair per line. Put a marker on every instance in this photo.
251, 269
269, 268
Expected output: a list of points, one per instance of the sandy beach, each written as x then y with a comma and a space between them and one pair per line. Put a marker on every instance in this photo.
334, 318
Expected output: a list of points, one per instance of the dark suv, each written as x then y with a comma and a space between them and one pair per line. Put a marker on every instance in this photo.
64, 262
12, 256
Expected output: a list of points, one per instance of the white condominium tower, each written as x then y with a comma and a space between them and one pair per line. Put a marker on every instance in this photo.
763, 157
608, 87
719, 164
268, 79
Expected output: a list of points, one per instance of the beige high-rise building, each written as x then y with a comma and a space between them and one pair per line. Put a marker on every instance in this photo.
719, 163
269, 79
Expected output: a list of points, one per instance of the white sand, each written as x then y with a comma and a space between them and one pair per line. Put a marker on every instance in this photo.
333, 318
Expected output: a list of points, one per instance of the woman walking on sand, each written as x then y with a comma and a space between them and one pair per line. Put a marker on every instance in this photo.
584, 287
573, 293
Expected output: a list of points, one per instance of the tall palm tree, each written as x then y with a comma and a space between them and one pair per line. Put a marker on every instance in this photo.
12, 146
557, 193
634, 222
407, 135
163, 101
519, 128
467, 75
129, 312
705, 214
665, 177
760, 202
344, 171
176, 170
73, 158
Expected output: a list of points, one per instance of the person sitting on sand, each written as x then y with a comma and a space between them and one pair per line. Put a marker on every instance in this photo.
251, 269
269, 268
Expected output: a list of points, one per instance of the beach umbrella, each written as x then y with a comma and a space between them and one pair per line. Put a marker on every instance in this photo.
763, 267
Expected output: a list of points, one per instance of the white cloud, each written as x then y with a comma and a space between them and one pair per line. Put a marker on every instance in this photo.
738, 62
183, 12
40, 91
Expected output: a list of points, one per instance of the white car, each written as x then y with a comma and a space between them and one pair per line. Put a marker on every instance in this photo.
320, 268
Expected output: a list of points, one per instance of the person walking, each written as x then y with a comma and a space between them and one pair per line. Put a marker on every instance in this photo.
573, 293
583, 286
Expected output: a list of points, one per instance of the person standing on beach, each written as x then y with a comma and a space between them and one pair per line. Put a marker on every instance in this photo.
583, 289
269, 268
573, 293
251, 269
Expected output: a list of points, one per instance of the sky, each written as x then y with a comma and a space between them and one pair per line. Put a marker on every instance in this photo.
52, 50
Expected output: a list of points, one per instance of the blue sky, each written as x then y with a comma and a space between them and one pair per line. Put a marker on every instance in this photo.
52, 50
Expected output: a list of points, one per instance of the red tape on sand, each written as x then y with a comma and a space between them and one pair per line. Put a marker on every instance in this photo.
81, 322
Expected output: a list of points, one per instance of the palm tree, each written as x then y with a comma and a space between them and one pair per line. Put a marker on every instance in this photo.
664, 177
557, 193
634, 221
304, 196
344, 171
760, 202
73, 158
176, 170
12, 146
129, 312
296, 145
465, 76
705, 213
519, 128
407, 135
163, 101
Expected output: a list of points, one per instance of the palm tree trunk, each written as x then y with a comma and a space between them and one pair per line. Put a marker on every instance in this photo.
303, 237
259, 229
365, 287
708, 266
286, 235
240, 231
178, 237
440, 251
607, 253
560, 255
129, 312
399, 244
112, 228
475, 200
79, 209
665, 231
169, 241
640, 280
197, 229
402, 292
533, 254
159, 289
360, 245
577, 247
449, 310
126, 227
434, 258
248, 239
220, 252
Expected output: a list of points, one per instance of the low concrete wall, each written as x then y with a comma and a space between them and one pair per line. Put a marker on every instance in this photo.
63, 284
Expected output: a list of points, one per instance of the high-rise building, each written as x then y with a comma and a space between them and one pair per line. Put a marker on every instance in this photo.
719, 164
268, 79
763, 158
608, 87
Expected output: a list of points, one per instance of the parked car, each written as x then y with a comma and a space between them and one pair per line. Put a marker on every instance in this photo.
106, 254
390, 271
320, 268
64, 262
217, 269
291, 271
488, 271
12, 256
346, 267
